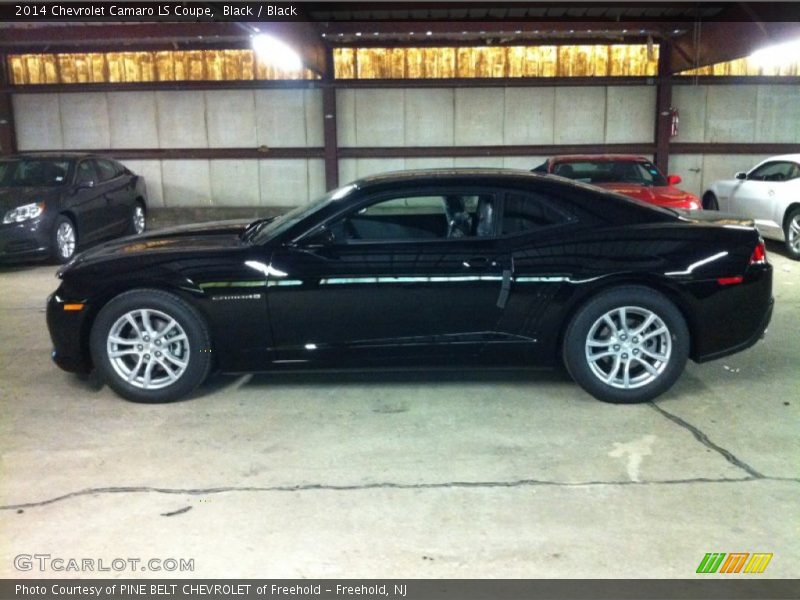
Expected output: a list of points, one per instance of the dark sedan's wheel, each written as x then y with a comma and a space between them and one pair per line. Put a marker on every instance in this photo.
138, 222
627, 345
710, 201
791, 231
64, 240
150, 346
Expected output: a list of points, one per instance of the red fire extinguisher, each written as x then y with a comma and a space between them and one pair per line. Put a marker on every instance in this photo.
673, 122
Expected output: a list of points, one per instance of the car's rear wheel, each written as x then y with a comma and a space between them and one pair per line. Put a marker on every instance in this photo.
791, 230
627, 345
64, 240
710, 201
150, 346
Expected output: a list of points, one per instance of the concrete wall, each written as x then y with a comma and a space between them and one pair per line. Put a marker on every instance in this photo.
382, 117
731, 114
189, 119
495, 116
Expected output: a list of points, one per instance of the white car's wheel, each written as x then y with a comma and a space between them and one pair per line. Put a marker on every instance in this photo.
791, 231
710, 201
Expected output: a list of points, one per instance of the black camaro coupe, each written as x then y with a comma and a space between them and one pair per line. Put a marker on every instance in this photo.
483, 267
52, 204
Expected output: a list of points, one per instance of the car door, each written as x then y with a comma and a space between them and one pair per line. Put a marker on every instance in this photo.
534, 230
119, 190
397, 276
757, 196
86, 202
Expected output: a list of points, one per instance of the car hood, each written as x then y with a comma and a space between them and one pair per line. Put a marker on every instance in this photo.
186, 239
12, 197
664, 195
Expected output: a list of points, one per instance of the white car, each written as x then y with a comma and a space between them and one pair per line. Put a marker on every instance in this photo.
769, 193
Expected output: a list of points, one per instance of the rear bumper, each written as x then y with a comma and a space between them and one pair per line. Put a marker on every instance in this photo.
758, 334
731, 318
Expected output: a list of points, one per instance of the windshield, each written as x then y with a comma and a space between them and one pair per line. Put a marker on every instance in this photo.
611, 171
294, 216
33, 173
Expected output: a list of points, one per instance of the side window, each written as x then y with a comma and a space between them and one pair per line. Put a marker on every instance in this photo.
86, 173
105, 170
774, 171
423, 217
523, 213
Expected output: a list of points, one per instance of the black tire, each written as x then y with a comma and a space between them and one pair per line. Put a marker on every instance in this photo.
710, 201
58, 253
197, 346
132, 228
585, 321
792, 237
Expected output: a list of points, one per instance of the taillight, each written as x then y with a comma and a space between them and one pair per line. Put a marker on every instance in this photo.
759, 255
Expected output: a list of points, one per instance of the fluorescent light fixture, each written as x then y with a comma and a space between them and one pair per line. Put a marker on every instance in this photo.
777, 55
275, 52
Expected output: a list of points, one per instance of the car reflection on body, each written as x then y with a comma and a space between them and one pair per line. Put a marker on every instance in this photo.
769, 194
480, 267
53, 203
634, 176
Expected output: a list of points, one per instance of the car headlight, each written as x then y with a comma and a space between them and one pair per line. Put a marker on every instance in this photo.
24, 213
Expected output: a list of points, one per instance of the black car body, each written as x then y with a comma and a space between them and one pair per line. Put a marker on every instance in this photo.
52, 204
489, 267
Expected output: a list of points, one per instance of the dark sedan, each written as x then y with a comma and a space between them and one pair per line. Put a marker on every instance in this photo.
52, 204
481, 267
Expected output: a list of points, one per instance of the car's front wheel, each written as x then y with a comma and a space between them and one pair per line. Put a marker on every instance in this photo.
627, 345
791, 232
64, 240
710, 201
150, 346
138, 222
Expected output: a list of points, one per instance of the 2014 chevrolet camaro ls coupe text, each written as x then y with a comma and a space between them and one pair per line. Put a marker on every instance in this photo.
487, 267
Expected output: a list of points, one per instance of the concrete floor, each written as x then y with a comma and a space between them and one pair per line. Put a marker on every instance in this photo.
410, 475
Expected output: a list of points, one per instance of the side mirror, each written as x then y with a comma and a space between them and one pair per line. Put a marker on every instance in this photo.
673, 179
319, 239
741, 175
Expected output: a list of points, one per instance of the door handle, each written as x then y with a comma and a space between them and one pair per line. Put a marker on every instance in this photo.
476, 262
771, 192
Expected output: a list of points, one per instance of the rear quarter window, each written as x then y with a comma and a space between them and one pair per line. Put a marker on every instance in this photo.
531, 211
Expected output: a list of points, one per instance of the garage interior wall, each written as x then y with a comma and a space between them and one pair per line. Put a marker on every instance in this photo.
389, 117
731, 114
188, 120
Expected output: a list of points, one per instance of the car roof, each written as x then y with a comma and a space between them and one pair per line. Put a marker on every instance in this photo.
447, 175
791, 157
599, 157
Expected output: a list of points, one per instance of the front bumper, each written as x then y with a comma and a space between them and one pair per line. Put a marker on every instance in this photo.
26, 240
69, 334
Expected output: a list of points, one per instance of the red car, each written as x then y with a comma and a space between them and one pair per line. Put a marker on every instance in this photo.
634, 176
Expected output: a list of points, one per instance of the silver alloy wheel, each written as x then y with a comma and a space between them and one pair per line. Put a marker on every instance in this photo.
148, 349
65, 238
794, 233
138, 219
628, 347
